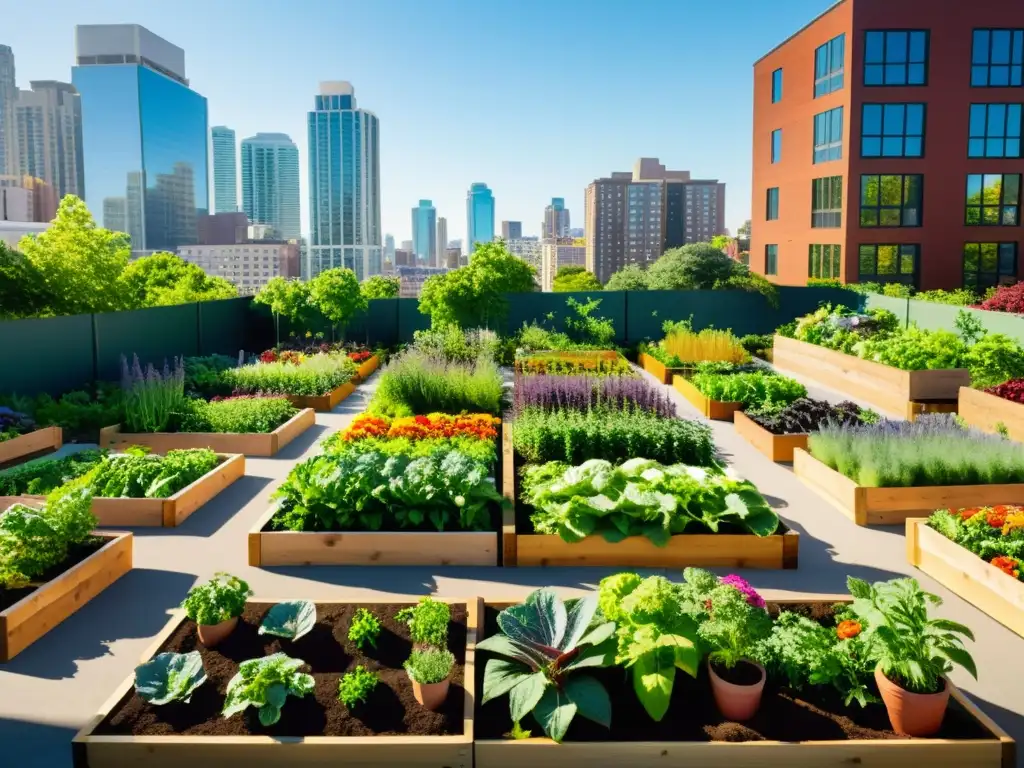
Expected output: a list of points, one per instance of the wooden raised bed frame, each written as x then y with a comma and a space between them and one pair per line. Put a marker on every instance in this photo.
326, 402
166, 513
91, 751
541, 752
658, 369
708, 550
368, 367
965, 574
892, 506
24, 447
984, 411
248, 443
775, 447
884, 387
710, 409
37, 613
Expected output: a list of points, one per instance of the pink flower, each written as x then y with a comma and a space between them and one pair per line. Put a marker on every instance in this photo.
741, 584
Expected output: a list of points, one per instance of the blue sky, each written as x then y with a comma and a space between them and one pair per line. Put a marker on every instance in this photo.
534, 98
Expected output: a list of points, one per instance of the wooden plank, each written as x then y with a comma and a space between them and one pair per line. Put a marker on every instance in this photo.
844, 494
509, 555
711, 409
181, 505
986, 412
917, 408
378, 548
323, 403
368, 367
32, 617
775, 447
965, 574
291, 429
656, 368
128, 513
31, 444
255, 536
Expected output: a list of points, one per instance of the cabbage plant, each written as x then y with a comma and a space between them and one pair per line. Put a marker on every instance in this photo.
291, 619
170, 677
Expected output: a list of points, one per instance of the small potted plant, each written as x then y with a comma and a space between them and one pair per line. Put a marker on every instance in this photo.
215, 606
913, 652
430, 671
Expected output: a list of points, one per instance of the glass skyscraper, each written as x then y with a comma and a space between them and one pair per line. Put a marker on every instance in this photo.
145, 136
344, 184
424, 234
270, 183
225, 170
479, 216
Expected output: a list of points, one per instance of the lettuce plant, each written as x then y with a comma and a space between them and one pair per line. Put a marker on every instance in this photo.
291, 619
266, 684
221, 598
137, 474
170, 677
752, 389
642, 498
545, 644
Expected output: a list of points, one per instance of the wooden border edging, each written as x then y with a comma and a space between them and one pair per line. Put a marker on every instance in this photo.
710, 409
32, 444
892, 506
247, 443
883, 386
324, 403
91, 751
985, 412
966, 575
999, 751
368, 367
37, 613
708, 550
658, 369
775, 447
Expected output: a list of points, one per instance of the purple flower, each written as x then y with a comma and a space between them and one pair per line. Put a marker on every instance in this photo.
582, 393
753, 599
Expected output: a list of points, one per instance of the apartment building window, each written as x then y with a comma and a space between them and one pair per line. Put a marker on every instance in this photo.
828, 66
772, 212
888, 263
892, 130
891, 200
989, 264
776, 145
771, 259
997, 60
995, 130
993, 200
827, 202
828, 135
824, 261
896, 57
777, 86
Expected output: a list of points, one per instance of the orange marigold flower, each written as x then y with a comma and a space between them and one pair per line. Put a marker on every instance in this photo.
996, 517
848, 629
967, 514
1008, 565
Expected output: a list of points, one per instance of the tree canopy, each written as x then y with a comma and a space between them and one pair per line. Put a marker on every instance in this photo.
335, 292
693, 267
575, 278
721, 242
631, 277
23, 292
380, 287
165, 278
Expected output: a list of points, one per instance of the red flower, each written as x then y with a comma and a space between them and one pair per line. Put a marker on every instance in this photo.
967, 514
848, 629
423, 420
996, 517
1008, 565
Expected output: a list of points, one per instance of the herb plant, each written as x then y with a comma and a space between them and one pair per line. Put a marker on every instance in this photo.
314, 376
221, 598
364, 629
432, 665
266, 684
356, 686
807, 415
751, 389
153, 400
139, 475
428, 622
574, 363
169, 677
203, 376
546, 647
582, 393
417, 384
686, 346
237, 415
291, 619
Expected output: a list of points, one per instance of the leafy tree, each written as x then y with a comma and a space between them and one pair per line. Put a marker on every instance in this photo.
474, 295
578, 279
22, 290
693, 267
631, 277
721, 242
744, 229
79, 263
569, 269
335, 292
165, 278
380, 287
286, 298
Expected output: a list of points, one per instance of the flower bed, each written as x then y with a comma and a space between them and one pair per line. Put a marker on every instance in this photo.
997, 410
573, 363
314, 726
777, 432
29, 445
682, 350
319, 381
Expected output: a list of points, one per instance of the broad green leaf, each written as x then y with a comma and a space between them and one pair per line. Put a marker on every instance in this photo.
598, 633
170, 677
579, 613
653, 676
554, 712
959, 656
291, 619
590, 698
269, 714
524, 697
540, 620
277, 694
501, 676
521, 652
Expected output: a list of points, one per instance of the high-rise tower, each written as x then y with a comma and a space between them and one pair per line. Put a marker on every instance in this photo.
270, 183
225, 170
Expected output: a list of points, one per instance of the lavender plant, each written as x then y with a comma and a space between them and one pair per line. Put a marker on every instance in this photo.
581, 393
153, 399
933, 450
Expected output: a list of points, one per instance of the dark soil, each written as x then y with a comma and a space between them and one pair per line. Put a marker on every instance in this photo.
742, 674
390, 710
785, 715
76, 554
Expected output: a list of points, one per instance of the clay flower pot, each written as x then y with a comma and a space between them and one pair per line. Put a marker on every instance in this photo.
912, 714
211, 634
431, 695
737, 702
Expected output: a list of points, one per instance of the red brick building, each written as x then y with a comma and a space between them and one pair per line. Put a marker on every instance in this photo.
888, 146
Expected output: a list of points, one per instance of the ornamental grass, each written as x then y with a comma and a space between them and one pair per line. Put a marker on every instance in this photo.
418, 384
710, 344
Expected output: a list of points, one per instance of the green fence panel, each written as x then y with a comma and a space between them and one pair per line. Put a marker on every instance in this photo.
224, 326
797, 301
52, 354
382, 322
410, 319
155, 335
551, 309
899, 307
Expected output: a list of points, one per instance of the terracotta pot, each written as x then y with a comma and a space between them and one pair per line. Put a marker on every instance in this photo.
431, 695
912, 714
737, 702
211, 634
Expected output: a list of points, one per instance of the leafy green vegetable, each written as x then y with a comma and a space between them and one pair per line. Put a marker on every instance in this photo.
545, 643
971, 530
364, 628
642, 498
137, 475
266, 684
258, 415
41, 477
221, 598
316, 375
428, 622
356, 686
291, 619
432, 665
170, 677
751, 389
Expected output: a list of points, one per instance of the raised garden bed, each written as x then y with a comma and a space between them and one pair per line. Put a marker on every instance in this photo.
391, 730
522, 547
965, 574
788, 731
659, 370
249, 444
892, 506
775, 447
710, 409
917, 408
326, 402
28, 446
38, 609
368, 367
884, 387
166, 513
987, 412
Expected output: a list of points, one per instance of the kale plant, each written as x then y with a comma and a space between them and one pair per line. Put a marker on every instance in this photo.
266, 684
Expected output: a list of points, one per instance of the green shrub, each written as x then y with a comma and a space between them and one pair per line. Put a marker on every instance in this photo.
415, 384
315, 376
138, 475
752, 389
204, 376
243, 414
